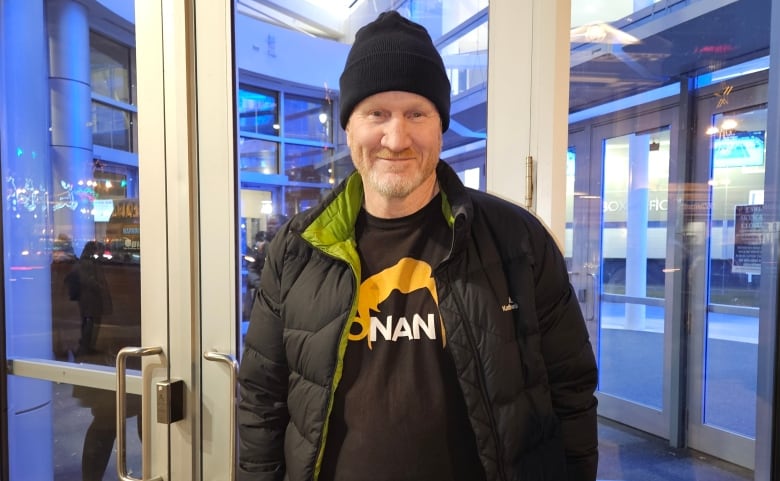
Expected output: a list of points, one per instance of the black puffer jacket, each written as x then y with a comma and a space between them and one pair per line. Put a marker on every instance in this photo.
514, 330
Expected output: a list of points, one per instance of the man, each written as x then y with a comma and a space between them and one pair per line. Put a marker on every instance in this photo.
255, 260
256, 256
409, 328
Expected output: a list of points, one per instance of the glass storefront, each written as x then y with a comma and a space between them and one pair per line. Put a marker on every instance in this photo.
665, 221
71, 216
668, 204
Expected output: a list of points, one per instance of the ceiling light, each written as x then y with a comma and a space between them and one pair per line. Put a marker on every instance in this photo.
599, 32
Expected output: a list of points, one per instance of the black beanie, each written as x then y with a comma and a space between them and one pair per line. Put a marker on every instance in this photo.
393, 53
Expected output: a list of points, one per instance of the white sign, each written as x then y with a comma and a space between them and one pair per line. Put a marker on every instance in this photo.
102, 209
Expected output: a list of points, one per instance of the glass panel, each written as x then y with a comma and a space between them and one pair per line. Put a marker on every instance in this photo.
111, 82
308, 163
111, 126
738, 157
77, 433
308, 118
468, 75
571, 155
261, 208
636, 179
256, 155
110, 68
633, 58
440, 17
88, 426
258, 111
71, 235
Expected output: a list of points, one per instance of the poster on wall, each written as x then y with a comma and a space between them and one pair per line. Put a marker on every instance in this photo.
748, 238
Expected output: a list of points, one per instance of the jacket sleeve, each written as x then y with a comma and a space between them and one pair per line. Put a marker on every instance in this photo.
568, 356
263, 376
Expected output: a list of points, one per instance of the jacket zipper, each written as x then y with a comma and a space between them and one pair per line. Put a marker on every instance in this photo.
482, 383
340, 358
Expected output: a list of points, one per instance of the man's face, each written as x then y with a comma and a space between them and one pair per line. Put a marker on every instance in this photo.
271, 227
395, 139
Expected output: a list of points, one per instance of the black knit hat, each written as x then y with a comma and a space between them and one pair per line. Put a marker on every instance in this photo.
393, 53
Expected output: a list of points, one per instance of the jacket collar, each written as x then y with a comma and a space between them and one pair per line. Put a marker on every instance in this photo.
456, 204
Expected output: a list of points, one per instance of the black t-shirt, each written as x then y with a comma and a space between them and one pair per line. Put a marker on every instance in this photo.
398, 413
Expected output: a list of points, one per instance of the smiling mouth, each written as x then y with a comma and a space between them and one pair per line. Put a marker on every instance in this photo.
406, 154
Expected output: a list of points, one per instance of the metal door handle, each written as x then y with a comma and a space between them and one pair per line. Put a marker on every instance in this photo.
121, 409
233, 365
590, 307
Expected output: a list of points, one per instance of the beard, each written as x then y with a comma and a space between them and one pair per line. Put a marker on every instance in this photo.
392, 184
394, 181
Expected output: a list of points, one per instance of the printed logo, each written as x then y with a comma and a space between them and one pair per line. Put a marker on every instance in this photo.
510, 306
407, 276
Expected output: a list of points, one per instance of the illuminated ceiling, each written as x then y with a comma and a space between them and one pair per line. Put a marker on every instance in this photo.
319, 18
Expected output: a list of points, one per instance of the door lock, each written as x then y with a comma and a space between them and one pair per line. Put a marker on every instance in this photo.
170, 401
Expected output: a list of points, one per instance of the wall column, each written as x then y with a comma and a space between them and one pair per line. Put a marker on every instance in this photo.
71, 122
26, 172
528, 104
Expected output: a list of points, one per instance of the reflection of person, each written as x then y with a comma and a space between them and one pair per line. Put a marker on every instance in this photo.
92, 295
408, 328
256, 257
94, 300
256, 260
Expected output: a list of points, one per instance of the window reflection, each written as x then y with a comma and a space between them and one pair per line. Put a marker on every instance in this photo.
110, 68
466, 59
737, 192
256, 155
111, 80
737, 156
308, 163
308, 118
258, 111
111, 126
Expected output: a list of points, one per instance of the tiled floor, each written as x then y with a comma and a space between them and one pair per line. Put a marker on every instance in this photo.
629, 455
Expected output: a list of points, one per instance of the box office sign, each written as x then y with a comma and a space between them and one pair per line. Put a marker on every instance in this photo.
748, 238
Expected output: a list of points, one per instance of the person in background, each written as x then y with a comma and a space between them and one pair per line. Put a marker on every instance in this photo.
256, 258
88, 286
408, 328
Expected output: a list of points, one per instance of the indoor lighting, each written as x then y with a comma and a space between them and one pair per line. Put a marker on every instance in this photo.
600, 33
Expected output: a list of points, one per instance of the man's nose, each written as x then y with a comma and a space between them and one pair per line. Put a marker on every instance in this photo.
396, 136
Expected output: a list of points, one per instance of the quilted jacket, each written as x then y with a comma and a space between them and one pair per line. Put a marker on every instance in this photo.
514, 327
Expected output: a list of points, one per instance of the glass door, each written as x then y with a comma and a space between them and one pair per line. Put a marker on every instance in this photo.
582, 205
72, 256
731, 162
107, 141
619, 225
215, 240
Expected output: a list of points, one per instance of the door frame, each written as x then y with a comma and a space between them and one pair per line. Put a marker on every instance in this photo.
219, 252
185, 49
735, 448
645, 118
